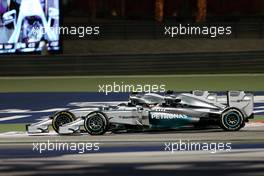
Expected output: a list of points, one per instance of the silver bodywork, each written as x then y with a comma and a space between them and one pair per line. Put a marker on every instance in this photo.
191, 108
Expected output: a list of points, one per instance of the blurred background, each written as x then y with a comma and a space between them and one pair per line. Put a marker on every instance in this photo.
141, 22
132, 31
130, 49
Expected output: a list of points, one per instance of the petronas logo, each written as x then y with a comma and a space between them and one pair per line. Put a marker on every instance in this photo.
160, 116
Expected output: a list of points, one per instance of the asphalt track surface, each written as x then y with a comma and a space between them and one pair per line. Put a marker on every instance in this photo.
139, 153
136, 154
31, 107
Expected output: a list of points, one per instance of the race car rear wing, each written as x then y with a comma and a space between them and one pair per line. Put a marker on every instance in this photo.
241, 100
237, 99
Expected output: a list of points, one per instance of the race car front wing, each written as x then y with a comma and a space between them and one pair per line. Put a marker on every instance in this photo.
39, 127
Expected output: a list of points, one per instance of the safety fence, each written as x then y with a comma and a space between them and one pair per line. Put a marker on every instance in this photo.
178, 63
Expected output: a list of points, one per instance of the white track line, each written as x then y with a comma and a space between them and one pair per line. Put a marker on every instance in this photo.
13, 117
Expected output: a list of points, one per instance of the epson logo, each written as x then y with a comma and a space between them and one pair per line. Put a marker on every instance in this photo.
159, 116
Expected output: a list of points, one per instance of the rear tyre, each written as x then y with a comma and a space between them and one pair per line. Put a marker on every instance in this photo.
61, 118
232, 120
96, 123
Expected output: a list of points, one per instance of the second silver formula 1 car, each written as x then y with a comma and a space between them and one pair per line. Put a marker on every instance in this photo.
153, 111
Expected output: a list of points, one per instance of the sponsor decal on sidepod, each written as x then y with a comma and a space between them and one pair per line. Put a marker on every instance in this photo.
160, 116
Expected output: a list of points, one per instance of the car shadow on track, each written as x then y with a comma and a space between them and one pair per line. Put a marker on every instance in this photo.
171, 131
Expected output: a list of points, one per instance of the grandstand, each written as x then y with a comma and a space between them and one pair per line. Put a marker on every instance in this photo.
142, 21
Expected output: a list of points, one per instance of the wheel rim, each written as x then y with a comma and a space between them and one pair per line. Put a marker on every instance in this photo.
232, 119
62, 119
95, 123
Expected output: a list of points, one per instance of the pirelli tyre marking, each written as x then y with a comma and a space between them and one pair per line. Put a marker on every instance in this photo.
62, 118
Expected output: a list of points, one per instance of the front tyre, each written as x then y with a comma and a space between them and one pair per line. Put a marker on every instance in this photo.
61, 118
96, 123
232, 120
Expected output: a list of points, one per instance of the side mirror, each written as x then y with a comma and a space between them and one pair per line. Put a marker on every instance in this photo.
134, 93
177, 100
170, 92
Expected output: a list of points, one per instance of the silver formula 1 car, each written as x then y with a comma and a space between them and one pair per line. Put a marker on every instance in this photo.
153, 111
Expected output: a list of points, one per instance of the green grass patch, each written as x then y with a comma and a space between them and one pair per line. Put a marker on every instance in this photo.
257, 118
247, 82
12, 127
